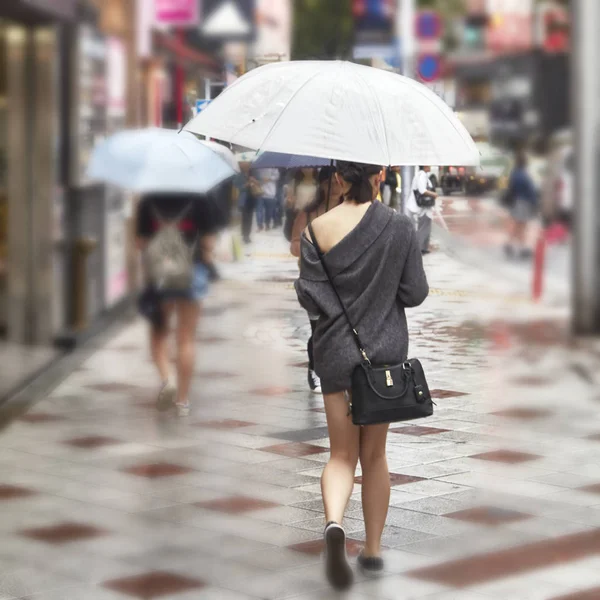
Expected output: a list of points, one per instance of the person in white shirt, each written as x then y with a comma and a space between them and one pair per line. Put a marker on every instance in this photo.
421, 216
267, 203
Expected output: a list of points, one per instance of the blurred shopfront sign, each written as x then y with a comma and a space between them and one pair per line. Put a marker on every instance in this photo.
510, 25
229, 20
552, 27
116, 82
179, 13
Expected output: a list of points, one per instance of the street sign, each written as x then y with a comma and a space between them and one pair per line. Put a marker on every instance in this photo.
201, 105
428, 25
429, 67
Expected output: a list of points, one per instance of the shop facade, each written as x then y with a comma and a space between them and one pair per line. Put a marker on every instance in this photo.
32, 168
33, 262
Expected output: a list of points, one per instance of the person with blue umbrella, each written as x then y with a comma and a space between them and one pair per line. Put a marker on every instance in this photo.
184, 183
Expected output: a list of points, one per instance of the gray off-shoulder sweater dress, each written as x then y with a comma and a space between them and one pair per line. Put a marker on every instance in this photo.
378, 271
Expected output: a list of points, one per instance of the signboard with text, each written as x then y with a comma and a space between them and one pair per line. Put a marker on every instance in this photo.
180, 13
510, 25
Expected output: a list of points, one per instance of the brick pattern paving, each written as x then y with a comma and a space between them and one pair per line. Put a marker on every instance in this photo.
494, 497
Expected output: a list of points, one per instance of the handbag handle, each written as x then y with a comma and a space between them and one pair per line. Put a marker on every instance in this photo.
321, 256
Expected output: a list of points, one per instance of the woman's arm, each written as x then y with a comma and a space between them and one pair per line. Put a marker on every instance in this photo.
300, 224
413, 287
305, 299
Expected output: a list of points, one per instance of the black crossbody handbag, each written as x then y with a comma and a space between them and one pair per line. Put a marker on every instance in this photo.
382, 393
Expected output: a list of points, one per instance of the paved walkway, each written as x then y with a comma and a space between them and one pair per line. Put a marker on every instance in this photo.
477, 234
495, 497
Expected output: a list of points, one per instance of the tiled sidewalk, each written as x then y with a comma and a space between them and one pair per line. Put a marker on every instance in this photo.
495, 497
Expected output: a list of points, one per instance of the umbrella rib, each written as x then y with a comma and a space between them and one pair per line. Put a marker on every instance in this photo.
387, 145
287, 104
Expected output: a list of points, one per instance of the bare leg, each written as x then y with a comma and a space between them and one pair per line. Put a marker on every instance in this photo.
337, 480
375, 485
187, 319
159, 345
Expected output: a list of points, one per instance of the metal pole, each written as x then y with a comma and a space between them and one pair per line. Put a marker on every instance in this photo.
405, 36
207, 89
585, 107
179, 85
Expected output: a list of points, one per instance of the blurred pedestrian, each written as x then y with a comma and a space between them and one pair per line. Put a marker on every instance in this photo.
279, 200
302, 192
328, 196
374, 258
420, 206
267, 202
521, 199
176, 234
246, 200
391, 187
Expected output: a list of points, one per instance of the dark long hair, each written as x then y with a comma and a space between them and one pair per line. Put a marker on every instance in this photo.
358, 175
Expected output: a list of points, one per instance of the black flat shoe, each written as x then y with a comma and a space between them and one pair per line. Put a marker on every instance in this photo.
338, 571
371, 565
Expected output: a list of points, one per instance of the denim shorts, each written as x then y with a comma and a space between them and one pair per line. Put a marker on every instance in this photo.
197, 292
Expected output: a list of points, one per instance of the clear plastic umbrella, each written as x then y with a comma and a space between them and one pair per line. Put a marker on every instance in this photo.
161, 160
338, 110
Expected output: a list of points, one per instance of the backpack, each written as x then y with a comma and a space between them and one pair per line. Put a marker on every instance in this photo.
169, 259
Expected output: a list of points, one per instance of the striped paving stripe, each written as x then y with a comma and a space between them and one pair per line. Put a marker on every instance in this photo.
492, 566
592, 594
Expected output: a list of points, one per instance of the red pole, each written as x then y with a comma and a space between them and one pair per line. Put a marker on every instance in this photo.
179, 84
538, 267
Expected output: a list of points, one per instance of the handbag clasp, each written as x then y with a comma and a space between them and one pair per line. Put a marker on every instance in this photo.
388, 379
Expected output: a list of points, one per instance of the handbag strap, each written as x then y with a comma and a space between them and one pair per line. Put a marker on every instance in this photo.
321, 256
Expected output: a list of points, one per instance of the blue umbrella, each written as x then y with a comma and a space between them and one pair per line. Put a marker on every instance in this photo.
279, 160
161, 160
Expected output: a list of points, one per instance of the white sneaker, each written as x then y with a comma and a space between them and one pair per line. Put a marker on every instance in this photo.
314, 382
166, 396
183, 410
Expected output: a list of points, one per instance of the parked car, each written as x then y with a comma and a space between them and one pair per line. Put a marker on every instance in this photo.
489, 175
452, 180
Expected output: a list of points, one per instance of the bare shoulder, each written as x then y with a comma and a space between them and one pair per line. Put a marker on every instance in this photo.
324, 221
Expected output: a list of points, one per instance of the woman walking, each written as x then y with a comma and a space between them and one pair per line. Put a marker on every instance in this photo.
189, 223
328, 195
375, 261
523, 202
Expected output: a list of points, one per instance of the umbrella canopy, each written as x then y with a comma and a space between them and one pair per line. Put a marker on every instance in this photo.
161, 160
339, 110
279, 160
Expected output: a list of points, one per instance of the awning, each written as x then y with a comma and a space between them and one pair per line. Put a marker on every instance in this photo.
185, 53
33, 10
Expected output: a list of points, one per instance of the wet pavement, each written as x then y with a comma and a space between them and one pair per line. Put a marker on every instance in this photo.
474, 230
497, 496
